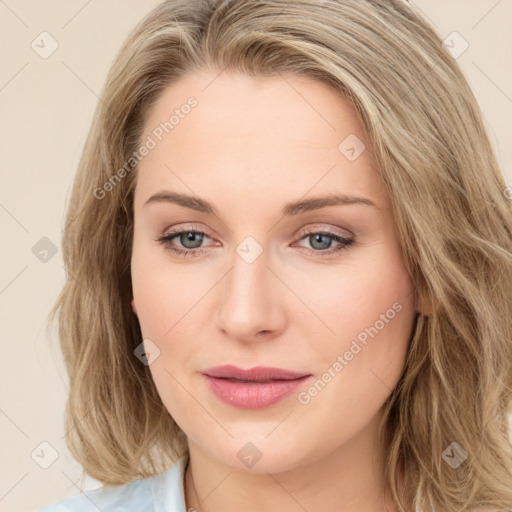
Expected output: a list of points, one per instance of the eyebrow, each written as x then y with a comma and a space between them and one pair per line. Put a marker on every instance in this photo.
289, 209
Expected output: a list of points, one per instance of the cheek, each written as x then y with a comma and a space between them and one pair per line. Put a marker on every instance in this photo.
163, 298
369, 312
161, 290
372, 314
379, 302
353, 297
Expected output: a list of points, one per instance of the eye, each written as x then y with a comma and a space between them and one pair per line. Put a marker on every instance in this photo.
322, 240
191, 240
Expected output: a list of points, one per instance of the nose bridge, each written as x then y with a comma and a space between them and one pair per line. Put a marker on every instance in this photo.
249, 301
248, 281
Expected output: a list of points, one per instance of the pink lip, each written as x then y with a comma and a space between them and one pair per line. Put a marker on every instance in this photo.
255, 388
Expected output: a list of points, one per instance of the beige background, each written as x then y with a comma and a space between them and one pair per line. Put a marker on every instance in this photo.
46, 106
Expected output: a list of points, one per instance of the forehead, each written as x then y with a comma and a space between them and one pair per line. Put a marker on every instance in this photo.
284, 134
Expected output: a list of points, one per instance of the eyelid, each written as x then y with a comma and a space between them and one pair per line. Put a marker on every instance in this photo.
321, 227
188, 227
303, 231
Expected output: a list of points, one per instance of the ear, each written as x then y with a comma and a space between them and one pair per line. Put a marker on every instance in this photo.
133, 306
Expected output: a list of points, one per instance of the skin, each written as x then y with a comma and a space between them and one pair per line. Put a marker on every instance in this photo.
250, 146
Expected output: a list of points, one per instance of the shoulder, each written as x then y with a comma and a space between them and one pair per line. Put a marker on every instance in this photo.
159, 492
136, 494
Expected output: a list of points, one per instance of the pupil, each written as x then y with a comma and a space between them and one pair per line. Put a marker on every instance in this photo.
319, 238
190, 236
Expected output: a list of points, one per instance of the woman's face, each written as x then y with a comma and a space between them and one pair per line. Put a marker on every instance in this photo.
263, 283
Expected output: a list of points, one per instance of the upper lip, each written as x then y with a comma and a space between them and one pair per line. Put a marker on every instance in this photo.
256, 374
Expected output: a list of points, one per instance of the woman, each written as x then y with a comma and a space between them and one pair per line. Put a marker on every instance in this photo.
289, 254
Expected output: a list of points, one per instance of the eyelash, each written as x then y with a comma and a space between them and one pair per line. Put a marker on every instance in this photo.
345, 242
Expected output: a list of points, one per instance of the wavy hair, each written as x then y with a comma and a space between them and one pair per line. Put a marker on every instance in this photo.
450, 206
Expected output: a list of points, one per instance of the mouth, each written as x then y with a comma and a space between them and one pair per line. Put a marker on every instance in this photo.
255, 388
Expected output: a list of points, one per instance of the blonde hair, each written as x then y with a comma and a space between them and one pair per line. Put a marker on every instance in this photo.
449, 203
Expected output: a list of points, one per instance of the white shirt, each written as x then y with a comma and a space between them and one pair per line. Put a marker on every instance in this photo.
159, 493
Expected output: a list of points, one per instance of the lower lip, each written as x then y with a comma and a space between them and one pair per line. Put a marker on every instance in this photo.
253, 395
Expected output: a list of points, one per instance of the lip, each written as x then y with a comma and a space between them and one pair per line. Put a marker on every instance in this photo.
256, 388
256, 374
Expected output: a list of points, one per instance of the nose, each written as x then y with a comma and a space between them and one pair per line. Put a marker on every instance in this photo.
250, 304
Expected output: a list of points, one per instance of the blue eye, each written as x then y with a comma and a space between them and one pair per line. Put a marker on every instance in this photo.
190, 238
319, 238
